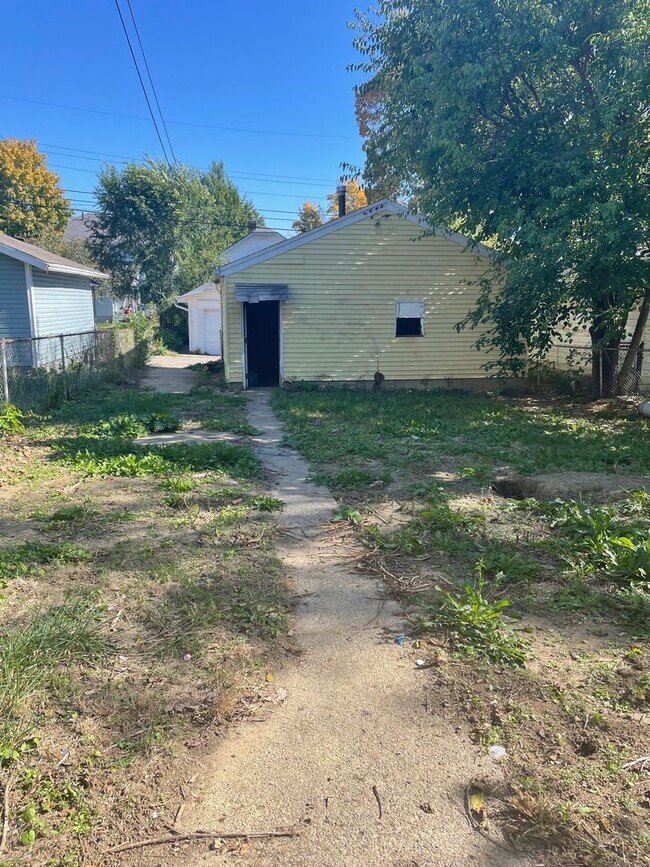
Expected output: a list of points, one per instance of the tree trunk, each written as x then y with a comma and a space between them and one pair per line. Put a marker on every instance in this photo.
604, 361
625, 375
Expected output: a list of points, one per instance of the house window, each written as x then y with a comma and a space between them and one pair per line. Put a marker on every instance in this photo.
409, 318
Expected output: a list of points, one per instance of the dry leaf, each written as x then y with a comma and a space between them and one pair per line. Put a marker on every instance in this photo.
477, 808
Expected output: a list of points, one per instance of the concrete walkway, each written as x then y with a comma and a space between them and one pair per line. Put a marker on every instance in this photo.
353, 759
170, 374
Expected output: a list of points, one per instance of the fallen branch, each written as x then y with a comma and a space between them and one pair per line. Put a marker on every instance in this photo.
642, 761
199, 835
5, 815
375, 792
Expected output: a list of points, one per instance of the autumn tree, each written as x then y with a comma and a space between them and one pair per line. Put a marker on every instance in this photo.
355, 197
309, 216
526, 123
31, 199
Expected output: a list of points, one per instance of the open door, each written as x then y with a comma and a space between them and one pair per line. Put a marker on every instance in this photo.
262, 336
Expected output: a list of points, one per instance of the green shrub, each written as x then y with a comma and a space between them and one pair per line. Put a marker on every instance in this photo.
11, 419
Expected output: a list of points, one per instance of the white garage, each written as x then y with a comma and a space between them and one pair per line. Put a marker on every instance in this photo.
203, 307
203, 304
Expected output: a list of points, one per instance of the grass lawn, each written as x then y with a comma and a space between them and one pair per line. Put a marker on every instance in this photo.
141, 605
533, 616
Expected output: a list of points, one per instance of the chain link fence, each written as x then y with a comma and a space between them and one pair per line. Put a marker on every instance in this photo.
37, 368
581, 368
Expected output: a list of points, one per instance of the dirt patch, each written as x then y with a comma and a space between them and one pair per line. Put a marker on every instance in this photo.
600, 487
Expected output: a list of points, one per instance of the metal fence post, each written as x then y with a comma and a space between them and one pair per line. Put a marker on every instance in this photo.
600, 372
5, 376
62, 341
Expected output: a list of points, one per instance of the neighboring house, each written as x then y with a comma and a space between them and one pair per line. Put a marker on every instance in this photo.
365, 298
79, 227
78, 230
204, 303
42, 294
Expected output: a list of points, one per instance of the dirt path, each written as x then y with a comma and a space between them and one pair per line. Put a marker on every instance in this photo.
353, 732
170, 373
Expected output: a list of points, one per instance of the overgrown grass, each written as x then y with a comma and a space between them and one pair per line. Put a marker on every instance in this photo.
120, 457
17, 561
567, 701
409, 433
28, 658
185, 603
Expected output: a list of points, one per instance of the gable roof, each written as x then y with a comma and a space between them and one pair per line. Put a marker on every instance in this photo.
384, 206
206, 287
258, 239
44, 260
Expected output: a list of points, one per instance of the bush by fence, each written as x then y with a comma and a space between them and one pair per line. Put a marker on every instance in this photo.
569, 369
50, 369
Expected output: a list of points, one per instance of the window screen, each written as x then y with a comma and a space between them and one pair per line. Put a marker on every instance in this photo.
409, 318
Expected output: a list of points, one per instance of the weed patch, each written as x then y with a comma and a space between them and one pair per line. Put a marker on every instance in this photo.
475, 625
17, 561
28, 657
116, 457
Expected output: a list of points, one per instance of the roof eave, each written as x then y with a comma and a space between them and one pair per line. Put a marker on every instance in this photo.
51, 268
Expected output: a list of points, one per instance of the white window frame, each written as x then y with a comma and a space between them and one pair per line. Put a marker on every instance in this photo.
416, 306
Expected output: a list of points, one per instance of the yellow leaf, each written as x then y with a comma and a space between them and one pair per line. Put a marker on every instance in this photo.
477, 808
270, 677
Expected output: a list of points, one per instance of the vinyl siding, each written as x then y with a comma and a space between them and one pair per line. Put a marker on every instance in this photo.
14, 307
339, 323
63, 304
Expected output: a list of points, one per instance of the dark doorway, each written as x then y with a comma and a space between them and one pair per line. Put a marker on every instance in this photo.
262, 343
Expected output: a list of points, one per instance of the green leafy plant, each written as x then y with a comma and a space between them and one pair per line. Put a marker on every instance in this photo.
177, 488
267, 504
116, 457
350, 514
11, 419
475, 624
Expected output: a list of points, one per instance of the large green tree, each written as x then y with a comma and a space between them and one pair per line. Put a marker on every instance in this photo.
524, 123
160, 229
31, 199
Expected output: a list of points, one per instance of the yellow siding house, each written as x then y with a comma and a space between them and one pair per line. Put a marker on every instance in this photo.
364, 298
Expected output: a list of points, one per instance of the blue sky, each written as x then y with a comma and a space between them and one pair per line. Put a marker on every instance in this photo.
248, 64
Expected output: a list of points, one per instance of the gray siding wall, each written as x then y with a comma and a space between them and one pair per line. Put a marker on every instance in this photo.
62, 304
14, 307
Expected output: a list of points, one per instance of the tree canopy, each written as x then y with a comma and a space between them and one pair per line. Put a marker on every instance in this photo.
309, 216
160, 229
524, 123
31, 199
355, 197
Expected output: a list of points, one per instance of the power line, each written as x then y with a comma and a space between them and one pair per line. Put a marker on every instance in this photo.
144, 89
180, 122
45, 206
245, 192
45, 145
153, 87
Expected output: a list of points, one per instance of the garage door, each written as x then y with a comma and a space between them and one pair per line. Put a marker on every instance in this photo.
212, 325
